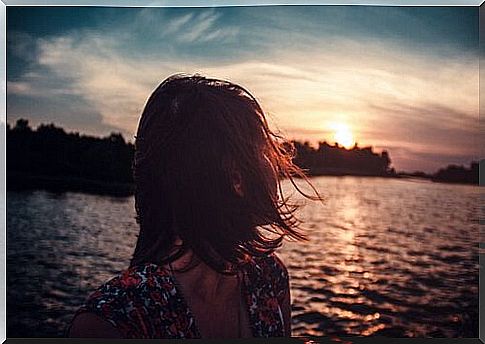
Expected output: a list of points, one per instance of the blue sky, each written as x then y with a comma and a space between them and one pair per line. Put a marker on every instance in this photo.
403, 79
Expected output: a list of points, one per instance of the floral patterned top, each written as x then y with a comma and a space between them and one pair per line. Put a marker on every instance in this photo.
144, 302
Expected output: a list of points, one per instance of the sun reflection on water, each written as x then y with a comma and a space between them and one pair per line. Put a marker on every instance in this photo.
371, 259
374, 254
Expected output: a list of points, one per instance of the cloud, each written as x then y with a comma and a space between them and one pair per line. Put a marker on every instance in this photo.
70, 112
387, 96
176, 24
410, 159
197, 27
200, 27
22, 44
19, 87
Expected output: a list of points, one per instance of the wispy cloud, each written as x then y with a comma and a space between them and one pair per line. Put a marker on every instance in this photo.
201, 26
198, 27
389, 97
22, 44
176, 24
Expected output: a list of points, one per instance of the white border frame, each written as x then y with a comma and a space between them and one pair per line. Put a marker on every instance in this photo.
143, 3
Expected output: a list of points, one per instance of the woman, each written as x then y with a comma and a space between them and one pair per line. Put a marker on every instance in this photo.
207, 171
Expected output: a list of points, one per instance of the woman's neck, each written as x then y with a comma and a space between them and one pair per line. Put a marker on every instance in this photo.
200, 280
193, 273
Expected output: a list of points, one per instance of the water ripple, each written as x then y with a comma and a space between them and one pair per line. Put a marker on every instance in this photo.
385, 257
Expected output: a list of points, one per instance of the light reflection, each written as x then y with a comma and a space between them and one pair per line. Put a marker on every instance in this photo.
343, 135
373, 253
373, 329
374, 263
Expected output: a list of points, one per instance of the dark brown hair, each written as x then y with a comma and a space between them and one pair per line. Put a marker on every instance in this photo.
194, 134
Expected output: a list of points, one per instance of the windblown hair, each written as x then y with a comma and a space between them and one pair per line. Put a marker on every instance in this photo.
193, 135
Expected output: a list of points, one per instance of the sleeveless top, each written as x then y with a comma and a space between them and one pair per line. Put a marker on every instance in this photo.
144, 302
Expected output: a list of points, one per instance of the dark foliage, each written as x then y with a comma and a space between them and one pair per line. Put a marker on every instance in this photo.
49, 151
48, 157
336, 160
458, 174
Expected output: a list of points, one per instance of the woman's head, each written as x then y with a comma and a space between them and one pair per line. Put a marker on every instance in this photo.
207, 170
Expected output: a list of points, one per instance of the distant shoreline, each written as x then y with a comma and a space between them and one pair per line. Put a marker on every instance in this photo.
51, 158
60, 184
23, 182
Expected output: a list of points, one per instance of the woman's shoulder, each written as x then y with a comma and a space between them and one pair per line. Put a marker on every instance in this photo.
132, 281
128, 298
269, 270
271, 264
266, 286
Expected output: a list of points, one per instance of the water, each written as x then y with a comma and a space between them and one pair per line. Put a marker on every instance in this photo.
385, 257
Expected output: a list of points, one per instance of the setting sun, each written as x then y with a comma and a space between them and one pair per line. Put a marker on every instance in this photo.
343, 136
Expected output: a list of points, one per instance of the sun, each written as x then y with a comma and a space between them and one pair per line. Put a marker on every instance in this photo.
343, 136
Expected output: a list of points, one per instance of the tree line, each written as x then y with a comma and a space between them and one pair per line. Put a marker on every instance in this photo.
51, 157
329, 159
49, 150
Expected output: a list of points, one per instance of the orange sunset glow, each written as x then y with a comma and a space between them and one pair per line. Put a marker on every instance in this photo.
322, 80
343, 136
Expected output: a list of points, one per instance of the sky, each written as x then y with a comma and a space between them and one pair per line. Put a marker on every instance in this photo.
403, 79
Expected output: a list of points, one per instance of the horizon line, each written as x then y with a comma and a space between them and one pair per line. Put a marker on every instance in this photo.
335, 144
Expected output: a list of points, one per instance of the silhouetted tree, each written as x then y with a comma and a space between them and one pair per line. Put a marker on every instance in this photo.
333, 159
50, 151
458, 174
22, 125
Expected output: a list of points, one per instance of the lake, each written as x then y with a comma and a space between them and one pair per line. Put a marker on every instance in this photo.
390, 257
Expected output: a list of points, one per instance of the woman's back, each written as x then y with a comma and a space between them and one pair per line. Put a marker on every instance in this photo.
150, 301
207, 172
215, 300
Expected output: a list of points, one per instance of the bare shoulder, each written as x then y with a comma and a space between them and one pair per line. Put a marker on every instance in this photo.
90, 325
